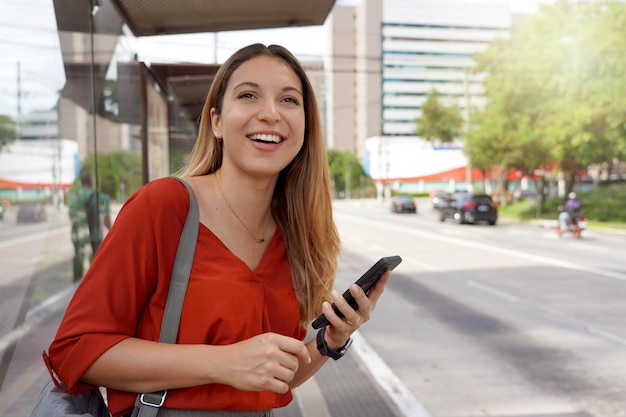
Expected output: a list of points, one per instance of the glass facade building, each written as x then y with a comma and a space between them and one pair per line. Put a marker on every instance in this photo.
430, 46
410, 48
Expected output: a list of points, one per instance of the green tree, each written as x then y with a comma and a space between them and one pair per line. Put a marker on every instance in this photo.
119, 173
8, 131
347, 173
504, 135
439, 123
585, 72
553, 91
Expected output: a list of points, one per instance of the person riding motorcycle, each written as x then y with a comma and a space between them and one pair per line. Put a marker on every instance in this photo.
570, 215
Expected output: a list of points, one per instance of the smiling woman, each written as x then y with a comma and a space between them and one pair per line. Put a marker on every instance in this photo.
264, 264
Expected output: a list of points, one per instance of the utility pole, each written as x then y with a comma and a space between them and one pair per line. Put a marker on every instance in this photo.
468, 175
19, 101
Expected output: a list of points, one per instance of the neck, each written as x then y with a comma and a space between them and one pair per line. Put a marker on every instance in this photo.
251, 197
250, 207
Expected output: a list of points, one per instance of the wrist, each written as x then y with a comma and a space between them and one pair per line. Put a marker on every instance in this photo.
329, 350
333, 340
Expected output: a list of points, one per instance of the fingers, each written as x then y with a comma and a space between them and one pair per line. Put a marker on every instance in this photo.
378, 288
295, 348
341, 328
354, 318
267, 362
283, 356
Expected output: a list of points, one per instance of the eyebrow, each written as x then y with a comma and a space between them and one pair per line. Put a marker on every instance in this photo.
255, 85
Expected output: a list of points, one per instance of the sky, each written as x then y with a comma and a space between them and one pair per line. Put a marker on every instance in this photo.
28, 36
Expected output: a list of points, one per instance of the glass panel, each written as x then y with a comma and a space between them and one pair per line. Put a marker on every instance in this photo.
82, 126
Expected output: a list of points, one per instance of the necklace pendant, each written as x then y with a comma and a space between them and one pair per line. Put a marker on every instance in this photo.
260, 240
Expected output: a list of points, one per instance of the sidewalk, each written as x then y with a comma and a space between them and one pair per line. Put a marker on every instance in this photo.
27, 374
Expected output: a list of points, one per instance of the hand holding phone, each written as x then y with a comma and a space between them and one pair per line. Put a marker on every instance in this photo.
366, 282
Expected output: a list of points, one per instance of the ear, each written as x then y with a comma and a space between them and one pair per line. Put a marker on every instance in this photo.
216, 124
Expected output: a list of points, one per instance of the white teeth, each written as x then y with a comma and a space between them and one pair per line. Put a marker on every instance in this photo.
265, 138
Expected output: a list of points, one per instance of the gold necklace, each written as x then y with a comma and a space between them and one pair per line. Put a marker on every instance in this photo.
257, 240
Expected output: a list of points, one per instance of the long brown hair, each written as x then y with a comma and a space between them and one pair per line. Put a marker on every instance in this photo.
301, 204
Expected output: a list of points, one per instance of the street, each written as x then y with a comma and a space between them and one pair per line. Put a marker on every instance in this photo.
505, 320
495, 320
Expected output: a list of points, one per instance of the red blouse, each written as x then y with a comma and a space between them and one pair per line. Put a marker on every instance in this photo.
124, 291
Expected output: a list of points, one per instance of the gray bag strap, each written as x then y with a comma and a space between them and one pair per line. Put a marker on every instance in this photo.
148, 404
182, 269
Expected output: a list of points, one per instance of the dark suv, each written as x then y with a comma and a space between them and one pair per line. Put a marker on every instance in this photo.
470, 208
403, 204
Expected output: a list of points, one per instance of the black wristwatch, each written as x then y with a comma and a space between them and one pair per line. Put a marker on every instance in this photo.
326, 351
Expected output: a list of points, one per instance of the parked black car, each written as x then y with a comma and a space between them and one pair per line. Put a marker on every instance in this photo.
404, 204
470, 208
31, 212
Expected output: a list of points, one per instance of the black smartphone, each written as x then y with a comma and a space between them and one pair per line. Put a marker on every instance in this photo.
367, 281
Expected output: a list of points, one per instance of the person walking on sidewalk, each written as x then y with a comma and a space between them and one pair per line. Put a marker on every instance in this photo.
89, 212
264, 265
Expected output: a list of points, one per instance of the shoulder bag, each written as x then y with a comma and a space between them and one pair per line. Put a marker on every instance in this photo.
52, 402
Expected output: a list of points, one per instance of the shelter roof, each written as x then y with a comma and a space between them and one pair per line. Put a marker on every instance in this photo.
149, 17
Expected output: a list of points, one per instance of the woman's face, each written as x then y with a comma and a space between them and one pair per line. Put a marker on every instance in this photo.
262, 121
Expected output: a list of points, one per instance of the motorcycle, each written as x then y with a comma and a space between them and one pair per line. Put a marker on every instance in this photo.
574, 226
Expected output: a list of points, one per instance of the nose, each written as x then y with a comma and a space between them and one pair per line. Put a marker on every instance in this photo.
269, 111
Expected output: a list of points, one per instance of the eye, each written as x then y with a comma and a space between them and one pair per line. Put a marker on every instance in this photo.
246, 96
292, 100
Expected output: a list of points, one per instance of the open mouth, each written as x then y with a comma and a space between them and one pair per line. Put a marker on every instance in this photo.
261, 138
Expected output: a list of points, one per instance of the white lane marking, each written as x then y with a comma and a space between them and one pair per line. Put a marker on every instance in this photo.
29, 238
421, 264
457, 232
378, 248
590, 329
32, 260
34, 316
607, 335
493, 291
487, 247
389, 382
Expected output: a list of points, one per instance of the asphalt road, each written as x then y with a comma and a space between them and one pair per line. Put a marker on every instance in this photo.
504, 320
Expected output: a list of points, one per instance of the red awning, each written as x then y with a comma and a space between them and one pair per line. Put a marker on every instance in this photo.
11, 185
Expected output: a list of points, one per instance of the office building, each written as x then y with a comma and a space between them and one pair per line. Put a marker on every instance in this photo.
386, 56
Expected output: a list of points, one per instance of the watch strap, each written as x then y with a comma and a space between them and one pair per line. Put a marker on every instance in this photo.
324, 350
